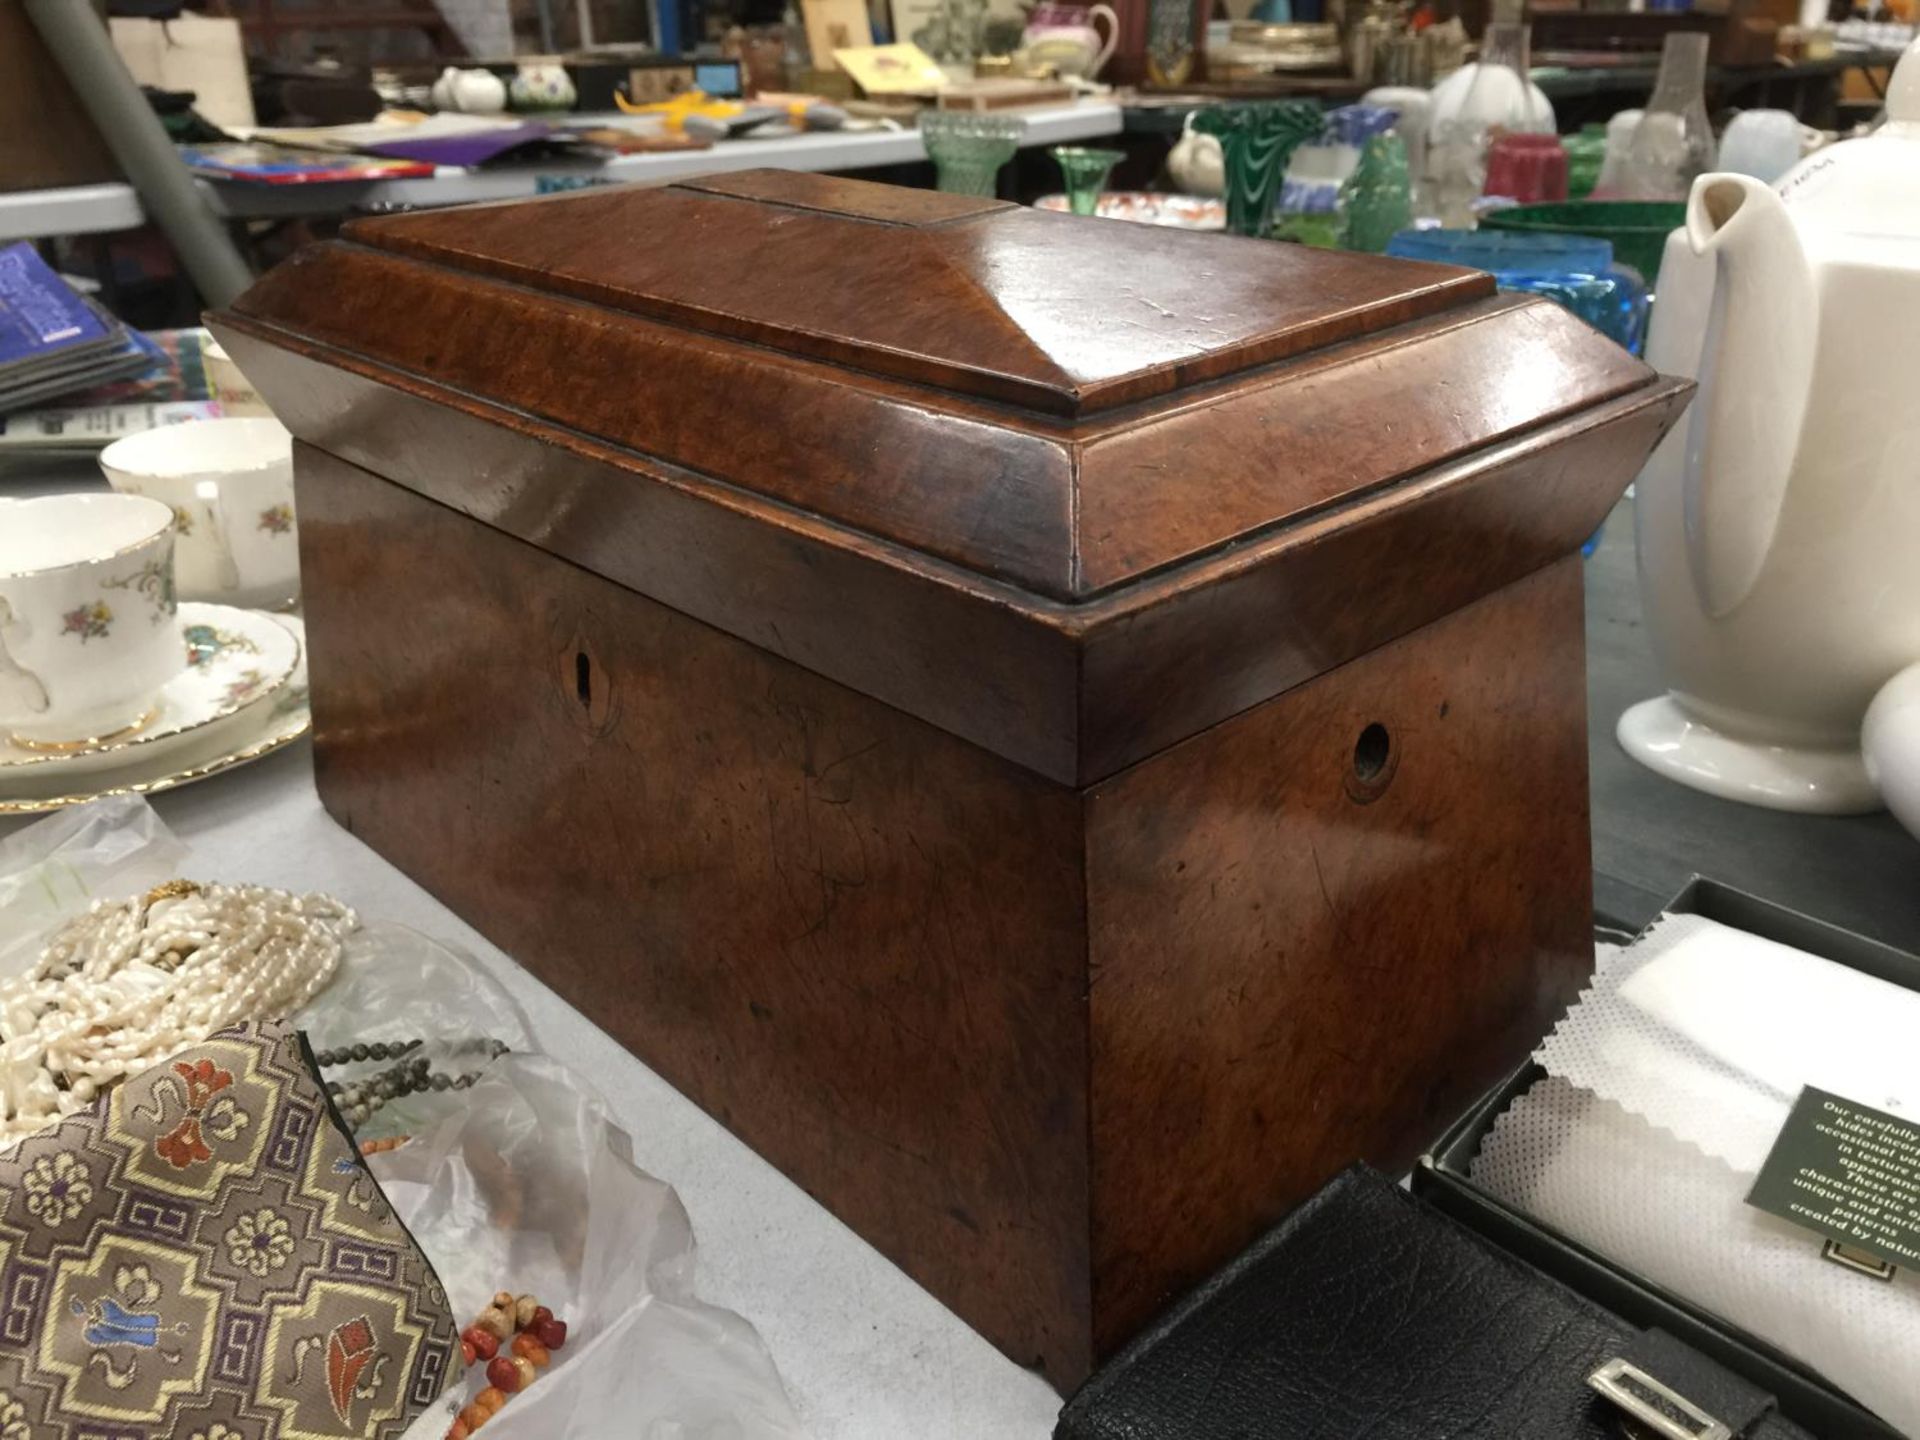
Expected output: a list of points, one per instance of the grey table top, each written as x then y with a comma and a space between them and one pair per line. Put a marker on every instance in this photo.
1649, 835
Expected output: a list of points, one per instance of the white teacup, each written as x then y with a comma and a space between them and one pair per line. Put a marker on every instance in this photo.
230, 483
87, 628
231, 388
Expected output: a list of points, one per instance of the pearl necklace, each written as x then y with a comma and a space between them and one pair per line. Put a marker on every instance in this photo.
132, 982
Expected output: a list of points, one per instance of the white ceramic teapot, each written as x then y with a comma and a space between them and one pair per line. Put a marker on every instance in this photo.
472, 92
1779, 524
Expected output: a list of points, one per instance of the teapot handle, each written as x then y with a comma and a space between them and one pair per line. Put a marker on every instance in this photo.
1094, 12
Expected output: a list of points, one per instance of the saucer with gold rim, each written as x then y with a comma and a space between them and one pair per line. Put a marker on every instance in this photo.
254, 732
234, 659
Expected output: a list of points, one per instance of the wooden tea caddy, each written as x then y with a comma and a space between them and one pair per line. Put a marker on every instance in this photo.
1061, 734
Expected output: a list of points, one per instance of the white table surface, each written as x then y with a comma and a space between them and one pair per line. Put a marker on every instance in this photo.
866, 1354
819, 151
70, 210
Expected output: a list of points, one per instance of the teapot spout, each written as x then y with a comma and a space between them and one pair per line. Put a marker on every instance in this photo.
1756, 372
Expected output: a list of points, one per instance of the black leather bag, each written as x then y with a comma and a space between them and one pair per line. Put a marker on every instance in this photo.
1367, 1315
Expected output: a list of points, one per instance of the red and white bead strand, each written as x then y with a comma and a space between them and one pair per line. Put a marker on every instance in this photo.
530, 1334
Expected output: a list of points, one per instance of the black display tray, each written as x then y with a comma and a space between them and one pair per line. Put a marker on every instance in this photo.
1442, 1180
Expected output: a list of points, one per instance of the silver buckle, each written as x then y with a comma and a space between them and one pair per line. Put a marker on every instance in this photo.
1653, 1409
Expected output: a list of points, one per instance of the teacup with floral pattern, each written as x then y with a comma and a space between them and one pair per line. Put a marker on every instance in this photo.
230, 483
87, 628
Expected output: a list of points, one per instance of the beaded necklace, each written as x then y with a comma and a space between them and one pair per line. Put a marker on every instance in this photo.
132, 982
359, 1098
531, 1334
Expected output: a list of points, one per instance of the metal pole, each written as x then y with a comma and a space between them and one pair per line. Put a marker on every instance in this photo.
79, 44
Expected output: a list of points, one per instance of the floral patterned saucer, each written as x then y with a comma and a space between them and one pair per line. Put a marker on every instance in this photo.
235, 659
254, 731
1177, 212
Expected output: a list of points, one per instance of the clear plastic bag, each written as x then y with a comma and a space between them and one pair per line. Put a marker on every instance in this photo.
522, 1182
395, 983
530, 1186
56, 867
525, 1183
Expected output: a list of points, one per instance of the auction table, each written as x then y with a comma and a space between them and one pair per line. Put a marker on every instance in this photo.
863, 1350
88, 209
823, 151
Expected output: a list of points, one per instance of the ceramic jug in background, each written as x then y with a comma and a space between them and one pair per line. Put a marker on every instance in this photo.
1779, 523
1065, 37
541, 84
473, 92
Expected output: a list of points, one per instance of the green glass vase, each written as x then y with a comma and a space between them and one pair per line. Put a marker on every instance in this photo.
1256, 141
1376, 200
968, 149
1085, 172
1586, 152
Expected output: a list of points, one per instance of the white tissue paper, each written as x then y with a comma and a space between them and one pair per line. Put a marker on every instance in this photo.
1668, 1084
1661, 1208
1711, 1033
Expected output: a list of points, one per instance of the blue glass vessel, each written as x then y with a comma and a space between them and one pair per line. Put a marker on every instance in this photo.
1578, 271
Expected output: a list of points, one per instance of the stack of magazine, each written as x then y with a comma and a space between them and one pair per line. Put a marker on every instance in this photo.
55, 341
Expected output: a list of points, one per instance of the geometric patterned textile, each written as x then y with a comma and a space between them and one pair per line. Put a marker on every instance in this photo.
202, 1256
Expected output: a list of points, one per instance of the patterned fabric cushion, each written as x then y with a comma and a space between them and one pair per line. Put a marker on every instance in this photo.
202, 1256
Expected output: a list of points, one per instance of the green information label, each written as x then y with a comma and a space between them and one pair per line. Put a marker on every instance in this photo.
1848, 1172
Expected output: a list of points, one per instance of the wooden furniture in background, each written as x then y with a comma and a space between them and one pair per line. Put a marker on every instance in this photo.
1129, 65
1061, 734
46, 137
1743, 34
400, 32
412, 32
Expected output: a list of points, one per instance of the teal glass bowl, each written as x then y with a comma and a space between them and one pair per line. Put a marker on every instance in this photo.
1577, 271
1637, 229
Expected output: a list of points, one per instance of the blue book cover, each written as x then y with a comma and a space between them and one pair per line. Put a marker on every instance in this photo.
132, 355
40, 315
